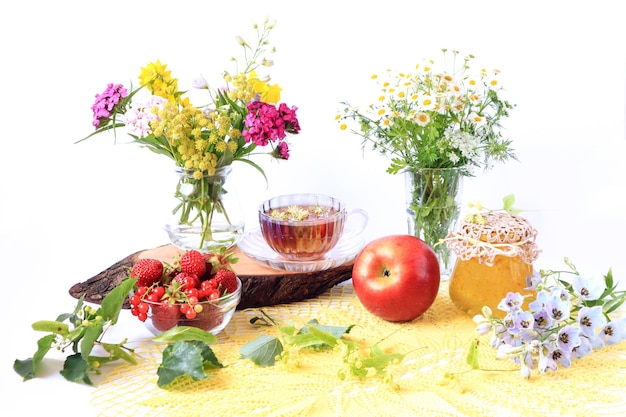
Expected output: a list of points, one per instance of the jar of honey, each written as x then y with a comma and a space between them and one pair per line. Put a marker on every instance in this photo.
494, 257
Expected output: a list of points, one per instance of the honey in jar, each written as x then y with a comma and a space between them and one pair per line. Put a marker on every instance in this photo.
494, 257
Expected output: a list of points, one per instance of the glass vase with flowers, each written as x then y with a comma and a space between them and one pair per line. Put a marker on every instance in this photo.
243, 115
437, 125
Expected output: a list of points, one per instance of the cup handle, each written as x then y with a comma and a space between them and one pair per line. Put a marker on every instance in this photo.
362, 218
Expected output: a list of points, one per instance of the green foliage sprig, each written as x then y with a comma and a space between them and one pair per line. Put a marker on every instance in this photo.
81, 331
188, 353
358, 362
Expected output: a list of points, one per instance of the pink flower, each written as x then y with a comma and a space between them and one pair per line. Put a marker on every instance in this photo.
281, 151
289, 118
106, 102
265, 123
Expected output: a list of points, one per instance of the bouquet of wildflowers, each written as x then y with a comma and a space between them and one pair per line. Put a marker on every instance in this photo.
437, 125
243, 115
566, 320
435, 118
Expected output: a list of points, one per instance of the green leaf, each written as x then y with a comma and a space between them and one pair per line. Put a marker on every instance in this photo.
323, 336
336, 331
262, 351
472, 355
608, 278
379, 360
117, 352
185, 333
114, 300
180, 359
310, 340
92, 333
289, 330
27, 369
76, 334
75, 369
209, 358
315, 335
50, 326
508, 202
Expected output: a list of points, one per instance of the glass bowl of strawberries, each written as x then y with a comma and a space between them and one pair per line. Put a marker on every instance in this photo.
195, 291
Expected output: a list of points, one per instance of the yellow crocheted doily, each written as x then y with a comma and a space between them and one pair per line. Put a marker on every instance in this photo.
433, 380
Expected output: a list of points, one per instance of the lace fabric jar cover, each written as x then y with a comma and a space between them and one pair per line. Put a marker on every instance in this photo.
494, 257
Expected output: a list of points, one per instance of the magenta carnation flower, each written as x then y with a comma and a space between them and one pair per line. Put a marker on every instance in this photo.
281, 151
265, 123
106, 102
289, 118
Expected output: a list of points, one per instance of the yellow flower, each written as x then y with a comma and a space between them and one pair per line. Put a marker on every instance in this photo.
159, 81
269, 93
152, 71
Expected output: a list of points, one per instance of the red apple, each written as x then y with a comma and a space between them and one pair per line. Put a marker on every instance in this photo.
396, 277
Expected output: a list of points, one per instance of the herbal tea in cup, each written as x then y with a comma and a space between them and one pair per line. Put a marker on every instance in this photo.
305, 227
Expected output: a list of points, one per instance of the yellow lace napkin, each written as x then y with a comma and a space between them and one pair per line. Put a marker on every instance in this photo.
433, 380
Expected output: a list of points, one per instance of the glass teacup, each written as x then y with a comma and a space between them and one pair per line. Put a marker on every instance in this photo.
305, 227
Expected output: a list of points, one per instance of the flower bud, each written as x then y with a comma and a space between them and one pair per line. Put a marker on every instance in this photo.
200, 83
483, 328
479, 319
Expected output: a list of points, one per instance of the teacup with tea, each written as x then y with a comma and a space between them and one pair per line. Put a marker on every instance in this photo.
305, 227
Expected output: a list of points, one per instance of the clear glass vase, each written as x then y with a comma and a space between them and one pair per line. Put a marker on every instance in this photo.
433, 204
207, 215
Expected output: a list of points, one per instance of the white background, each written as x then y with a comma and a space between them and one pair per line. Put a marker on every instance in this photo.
67, 211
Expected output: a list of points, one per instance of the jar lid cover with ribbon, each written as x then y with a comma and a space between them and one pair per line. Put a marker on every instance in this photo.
492, 234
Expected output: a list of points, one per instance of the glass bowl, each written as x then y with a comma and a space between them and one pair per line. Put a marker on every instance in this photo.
213, 318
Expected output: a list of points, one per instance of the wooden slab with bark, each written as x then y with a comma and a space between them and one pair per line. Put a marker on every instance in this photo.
262, 286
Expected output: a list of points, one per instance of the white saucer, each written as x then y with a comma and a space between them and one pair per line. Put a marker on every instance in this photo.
254, 246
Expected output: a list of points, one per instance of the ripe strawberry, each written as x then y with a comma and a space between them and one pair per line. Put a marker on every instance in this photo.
226, 280
209, 318
187, 280
164, 315
193, 262
147, 271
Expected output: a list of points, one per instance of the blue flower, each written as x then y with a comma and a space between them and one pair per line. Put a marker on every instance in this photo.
614, 332
512, 302
543, 320
540, 302
558, 308
562, 294
590, 319
583, 349
568, 338
546, 359
524, 320
588, 288
533, 280
566, 320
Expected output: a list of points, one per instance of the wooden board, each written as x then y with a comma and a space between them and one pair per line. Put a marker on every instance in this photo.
262, 286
